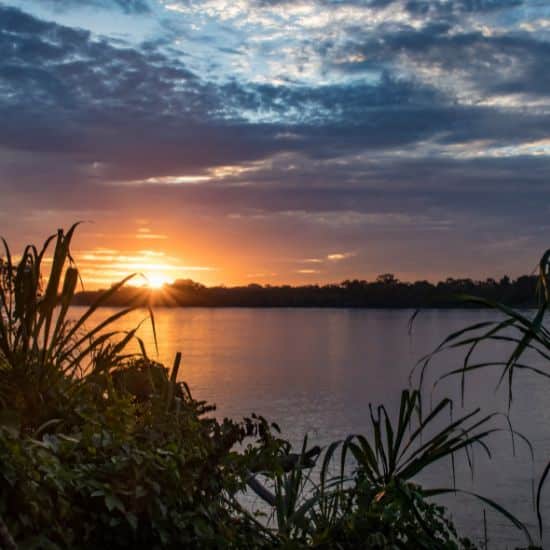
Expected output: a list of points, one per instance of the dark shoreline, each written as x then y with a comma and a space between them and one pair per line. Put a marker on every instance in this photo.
384, 293
458, 307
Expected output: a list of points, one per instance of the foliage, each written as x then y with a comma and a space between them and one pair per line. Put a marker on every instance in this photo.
44, 356
377, 500
527, 334
100, 448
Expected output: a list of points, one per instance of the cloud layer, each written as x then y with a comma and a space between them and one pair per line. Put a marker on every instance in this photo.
413, 133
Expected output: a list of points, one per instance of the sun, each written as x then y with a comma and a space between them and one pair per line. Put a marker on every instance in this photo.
157, 280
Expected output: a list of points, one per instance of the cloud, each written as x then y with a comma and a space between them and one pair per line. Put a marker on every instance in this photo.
139, 114
101, 266
151, 236
338, 256
127, 6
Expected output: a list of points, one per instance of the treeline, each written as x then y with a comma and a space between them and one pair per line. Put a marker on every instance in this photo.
385, 292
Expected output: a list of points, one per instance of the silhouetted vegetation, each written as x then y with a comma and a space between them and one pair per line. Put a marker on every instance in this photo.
102, 448
527, 335
385, 292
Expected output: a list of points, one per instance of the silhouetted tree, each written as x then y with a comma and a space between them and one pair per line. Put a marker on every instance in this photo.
385, 292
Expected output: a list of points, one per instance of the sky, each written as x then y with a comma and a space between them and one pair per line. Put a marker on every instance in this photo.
278, 141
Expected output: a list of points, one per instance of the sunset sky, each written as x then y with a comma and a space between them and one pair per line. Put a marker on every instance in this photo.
271, 141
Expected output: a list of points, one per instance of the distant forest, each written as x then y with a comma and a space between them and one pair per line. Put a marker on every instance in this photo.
385, 292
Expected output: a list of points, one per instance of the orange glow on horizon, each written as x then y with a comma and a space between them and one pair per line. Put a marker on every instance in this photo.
157, 280
213, 257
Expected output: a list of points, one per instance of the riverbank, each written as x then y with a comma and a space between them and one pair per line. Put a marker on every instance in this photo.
385, 292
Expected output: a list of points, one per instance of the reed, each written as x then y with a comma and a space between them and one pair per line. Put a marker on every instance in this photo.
527, 336
46, 355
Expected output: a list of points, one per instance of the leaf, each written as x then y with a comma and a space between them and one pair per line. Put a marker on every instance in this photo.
132, 520
114, 503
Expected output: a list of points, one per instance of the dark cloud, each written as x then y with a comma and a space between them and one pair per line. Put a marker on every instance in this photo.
127, 6
497, 61
421, 7
139, 111
446, 8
